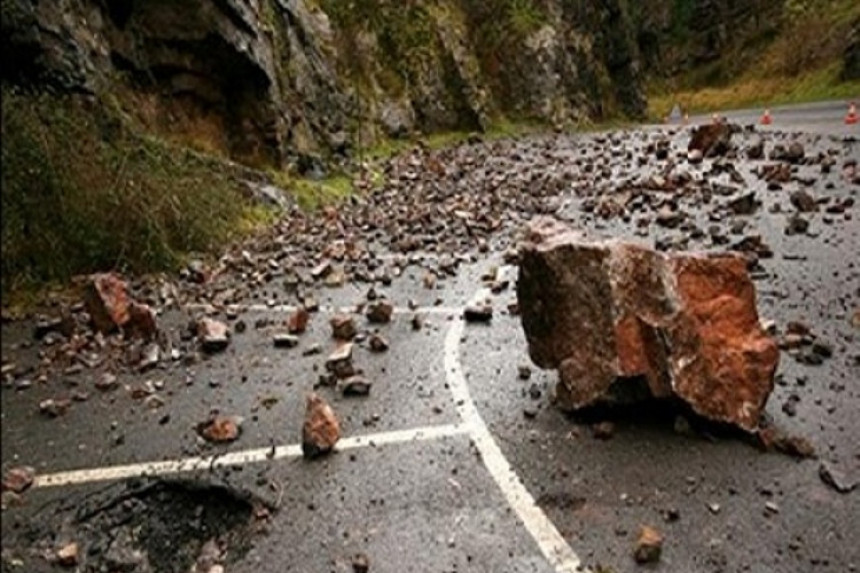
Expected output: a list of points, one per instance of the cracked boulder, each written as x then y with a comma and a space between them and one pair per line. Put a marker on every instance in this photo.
621, 322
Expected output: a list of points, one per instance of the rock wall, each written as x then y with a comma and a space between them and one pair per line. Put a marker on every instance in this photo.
268, 80
682, 35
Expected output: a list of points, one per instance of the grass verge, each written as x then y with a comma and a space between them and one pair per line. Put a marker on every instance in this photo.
822, 84
83, 191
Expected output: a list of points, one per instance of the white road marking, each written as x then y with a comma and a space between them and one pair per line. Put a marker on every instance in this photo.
286, 308
256, 455
551, 543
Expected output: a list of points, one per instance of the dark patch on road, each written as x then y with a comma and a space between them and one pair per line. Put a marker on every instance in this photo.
157, 526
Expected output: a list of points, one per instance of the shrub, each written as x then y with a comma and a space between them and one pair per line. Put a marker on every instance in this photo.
83, 191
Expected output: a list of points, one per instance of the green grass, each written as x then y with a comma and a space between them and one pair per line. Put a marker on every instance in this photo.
822, 84
83, 191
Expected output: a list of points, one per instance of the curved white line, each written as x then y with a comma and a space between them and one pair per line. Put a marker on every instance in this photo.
551, 543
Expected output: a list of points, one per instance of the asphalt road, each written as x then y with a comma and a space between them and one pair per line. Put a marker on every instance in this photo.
440, 469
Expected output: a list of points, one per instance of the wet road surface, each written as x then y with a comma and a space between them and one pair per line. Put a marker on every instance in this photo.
454, 462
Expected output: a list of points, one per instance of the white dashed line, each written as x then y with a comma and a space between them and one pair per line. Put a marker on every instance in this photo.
551, 543
168, 467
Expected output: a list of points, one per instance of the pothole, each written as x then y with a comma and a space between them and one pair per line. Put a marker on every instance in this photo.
160, 526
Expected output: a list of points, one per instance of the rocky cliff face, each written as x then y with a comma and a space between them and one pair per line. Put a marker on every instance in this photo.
268, 79
683, 35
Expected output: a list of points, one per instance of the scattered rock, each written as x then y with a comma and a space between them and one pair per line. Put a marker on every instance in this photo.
379, 312
356, 386
803, 201
480, 312
285, 340
711, 140
836, 479
19, 479
378, 343
360, 563
220, 429
297, 323
343, 327
649, 545
339, 361
107, 302
524, 371
54, 408
67, 556
321, 430
686, 323
603, 430
214, 335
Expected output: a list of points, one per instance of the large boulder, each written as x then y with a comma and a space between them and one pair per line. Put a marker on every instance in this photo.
621, 322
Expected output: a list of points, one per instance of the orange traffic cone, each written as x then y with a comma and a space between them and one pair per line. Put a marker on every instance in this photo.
765, 118
851, 118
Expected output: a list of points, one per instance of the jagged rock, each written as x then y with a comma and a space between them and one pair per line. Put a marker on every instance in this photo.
19, 479
285, 340
321, 430
107, 302
297, 322
220, 429
380, 312
608, 314
756, 150
214, 335
356, 386
343, 327
67, 555
712, 139
803, 201
378, 343
479, 312
649, 545
339, 362
141, 321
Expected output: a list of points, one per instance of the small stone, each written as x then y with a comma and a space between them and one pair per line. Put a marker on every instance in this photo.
321, 430
356, 386
649, 545
220, 429
19, 479
67, 556
360, 563
343, 327
214, 335
297, 322
803, 201
284, 340
482, 312
54, 408
339, 361
379, 312
524, 371
378, 343
417, 321
603, 430
695, 156
106, 381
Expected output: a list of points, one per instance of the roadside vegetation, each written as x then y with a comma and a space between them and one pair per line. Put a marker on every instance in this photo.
803, 62
83, 191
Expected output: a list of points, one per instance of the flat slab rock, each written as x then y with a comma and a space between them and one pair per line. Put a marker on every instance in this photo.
622, 322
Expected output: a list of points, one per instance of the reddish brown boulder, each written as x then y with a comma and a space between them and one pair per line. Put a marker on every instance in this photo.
107, 302
621, 322
220, 429
321, 430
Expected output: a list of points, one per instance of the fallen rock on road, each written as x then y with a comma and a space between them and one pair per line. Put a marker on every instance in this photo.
621, 322
321, 429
